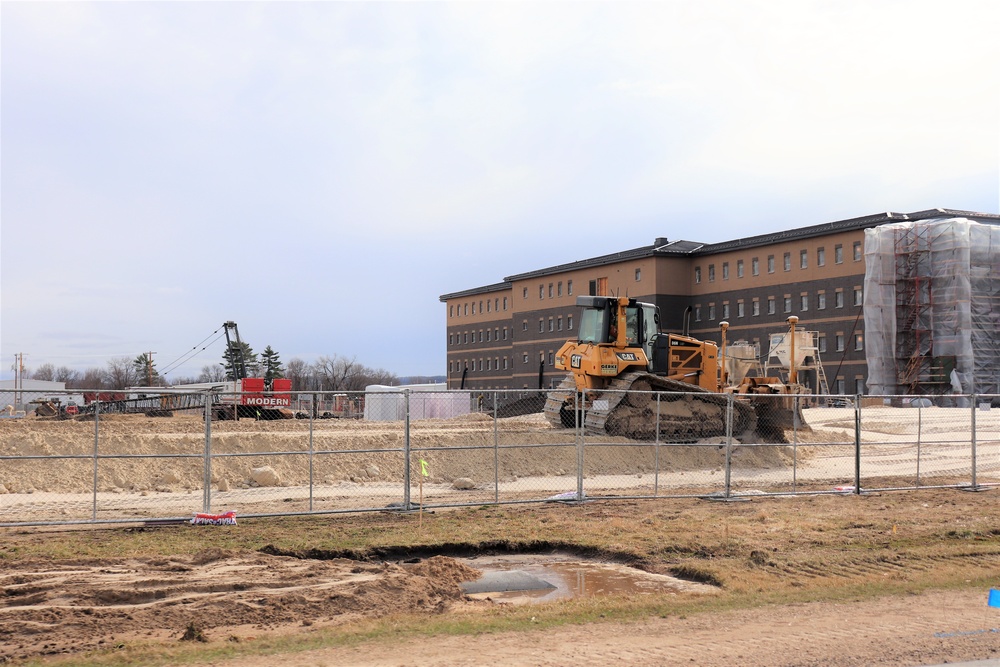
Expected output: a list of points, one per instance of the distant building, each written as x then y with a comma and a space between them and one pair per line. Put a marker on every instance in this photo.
505, 335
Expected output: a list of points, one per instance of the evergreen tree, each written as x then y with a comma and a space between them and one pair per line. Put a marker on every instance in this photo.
250, 361
145, 370
271, 364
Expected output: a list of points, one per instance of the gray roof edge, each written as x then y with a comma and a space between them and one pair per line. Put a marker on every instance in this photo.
476, 291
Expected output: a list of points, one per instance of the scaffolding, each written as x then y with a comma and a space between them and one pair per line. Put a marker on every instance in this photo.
932, 307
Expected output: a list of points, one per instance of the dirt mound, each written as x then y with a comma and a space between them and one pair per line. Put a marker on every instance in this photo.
172, 451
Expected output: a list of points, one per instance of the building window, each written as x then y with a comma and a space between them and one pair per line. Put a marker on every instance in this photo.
480, 335
755, 266
505, 363
489, 307
488, 365
770, 305
786, 261
505, 333
525, 357
838, 254
739, 309
569, 287
473, 307
496, 334
450, 341
697, 313
559, 323
559, 288
840, 386
803, 259
525, 294
541, 325
739, 268
711, 273
859, 342
858, 296
857, 251
838, 299
821, 301
551, 287
451, 310
821, 343
638, 275
524, 325
552, 325
465, 338
725, 270
840, 342
505, 303
711, 311
725, 311
804, 302
697, 274
465, 309
550, 359
489, 335
770, 263
820, 257
755, 308
569, 322
859, 385
788, 304
541, 291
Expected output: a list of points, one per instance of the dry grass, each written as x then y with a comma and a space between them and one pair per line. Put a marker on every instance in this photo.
759, 552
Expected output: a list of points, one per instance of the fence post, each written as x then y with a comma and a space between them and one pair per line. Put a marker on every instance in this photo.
312, 416
656, 451
975, 484
920, 418
206, 500
496, 447
857, 444
578, 403
729, 443
406, 448
97, 413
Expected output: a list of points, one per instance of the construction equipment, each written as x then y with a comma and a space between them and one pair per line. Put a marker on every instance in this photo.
255, 398
628, 378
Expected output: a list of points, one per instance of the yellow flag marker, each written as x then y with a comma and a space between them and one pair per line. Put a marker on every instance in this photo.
423, 473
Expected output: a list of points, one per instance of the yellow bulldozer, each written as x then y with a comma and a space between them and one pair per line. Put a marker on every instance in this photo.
628, 378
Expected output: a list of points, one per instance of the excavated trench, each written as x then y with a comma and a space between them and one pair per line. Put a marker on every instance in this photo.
536, 572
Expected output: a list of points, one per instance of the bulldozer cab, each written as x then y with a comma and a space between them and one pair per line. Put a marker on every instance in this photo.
601, 317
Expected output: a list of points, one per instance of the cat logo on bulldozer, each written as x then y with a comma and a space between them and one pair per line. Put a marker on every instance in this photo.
574, 360
627, 356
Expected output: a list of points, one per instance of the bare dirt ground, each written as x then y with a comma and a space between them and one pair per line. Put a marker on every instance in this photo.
933, 628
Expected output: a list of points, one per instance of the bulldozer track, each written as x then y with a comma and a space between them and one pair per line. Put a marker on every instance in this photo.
644, 406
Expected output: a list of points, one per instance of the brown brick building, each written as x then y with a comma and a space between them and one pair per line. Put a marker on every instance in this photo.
505, 335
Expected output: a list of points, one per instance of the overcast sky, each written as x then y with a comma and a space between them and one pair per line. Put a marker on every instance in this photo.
322, 173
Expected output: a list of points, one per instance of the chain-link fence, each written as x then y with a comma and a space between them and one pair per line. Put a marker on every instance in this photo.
125, 458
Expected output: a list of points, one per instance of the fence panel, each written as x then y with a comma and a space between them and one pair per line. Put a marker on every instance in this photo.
115, 462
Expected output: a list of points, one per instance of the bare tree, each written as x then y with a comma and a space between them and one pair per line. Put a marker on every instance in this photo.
212, 373
301, 375
67, 375
381, 376
121, 373
43, 372
92, 378
337, 373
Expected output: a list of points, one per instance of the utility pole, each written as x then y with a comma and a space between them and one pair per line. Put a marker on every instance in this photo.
149, 368
18, 378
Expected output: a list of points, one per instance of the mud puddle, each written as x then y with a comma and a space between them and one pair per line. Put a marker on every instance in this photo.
536, 578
